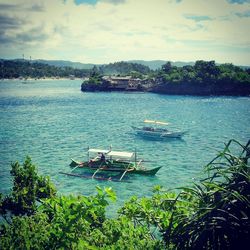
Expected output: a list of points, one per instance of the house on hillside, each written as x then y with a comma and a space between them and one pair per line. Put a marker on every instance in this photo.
122, 83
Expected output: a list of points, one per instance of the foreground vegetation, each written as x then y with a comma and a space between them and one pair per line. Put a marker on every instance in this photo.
211, 214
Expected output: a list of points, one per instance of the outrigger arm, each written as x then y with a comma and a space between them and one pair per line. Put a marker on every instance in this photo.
96, 171
127, 170
139, 163
75, 168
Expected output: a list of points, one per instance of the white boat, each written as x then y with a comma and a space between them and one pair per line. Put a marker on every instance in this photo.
154, 131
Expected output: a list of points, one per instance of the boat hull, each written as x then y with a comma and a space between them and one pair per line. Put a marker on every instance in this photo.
158, 134
115, 166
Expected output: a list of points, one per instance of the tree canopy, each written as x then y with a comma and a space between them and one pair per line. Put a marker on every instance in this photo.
123, 68
24, 68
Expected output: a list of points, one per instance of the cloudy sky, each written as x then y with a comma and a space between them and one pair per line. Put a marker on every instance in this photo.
103, 31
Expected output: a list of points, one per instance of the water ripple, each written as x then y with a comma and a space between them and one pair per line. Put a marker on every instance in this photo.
53, 121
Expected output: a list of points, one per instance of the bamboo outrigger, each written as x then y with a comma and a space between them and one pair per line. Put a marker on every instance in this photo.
111, 161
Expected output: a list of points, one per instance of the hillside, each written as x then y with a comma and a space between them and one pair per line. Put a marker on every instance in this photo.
38, 69
123, 68
152, 64
156, 64
61, 63
25, 68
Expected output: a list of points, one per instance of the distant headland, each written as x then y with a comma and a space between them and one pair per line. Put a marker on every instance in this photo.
203, 78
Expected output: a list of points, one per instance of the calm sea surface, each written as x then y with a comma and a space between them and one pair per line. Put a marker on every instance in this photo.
53, 121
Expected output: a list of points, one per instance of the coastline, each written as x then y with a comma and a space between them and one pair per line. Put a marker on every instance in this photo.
192, 89
41, 79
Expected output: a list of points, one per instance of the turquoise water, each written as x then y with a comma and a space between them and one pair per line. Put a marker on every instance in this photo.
53, 121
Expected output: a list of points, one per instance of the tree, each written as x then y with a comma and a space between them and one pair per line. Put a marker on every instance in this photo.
94, 72
220, 219
207, 71
166, 67
28, 189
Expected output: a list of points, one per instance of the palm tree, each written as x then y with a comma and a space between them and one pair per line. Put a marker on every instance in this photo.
220, 219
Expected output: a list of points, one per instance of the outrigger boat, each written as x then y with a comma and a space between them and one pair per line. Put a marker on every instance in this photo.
157, 132
113, 161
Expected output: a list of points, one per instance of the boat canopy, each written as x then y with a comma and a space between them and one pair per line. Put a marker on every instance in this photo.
120, 154
111, 153
98, 151
156, 122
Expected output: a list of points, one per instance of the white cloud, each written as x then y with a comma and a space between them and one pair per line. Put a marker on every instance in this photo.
132, 29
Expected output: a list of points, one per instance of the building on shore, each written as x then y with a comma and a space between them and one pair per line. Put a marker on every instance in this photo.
122, 83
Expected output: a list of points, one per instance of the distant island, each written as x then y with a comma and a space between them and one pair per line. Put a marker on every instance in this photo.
179, 78
203, 78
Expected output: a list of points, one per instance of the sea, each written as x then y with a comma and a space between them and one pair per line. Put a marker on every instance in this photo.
52, 121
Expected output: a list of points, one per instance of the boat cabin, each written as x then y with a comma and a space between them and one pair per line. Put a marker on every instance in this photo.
148, 129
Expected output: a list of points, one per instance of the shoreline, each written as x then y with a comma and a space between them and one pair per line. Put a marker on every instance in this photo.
41, 79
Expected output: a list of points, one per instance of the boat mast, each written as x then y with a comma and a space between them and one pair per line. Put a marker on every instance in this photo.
110, 149
135, 157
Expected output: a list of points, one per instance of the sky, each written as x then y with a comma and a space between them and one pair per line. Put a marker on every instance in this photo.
105, 31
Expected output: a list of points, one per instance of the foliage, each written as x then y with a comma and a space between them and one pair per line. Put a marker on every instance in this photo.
203, 72
167, 67
123, 68
210, 214
25, 232
95, 83
24, 68
121, 233
28, 189
221, 218
160, 213
136, 75
204, 78
72, 219
70, 222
